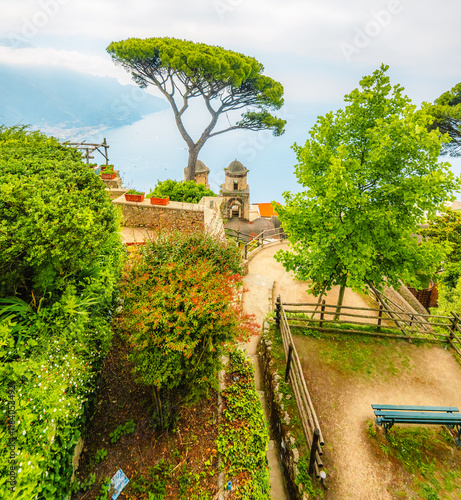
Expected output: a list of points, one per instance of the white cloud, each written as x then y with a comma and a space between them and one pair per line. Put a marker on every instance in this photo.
300, 42
83, 63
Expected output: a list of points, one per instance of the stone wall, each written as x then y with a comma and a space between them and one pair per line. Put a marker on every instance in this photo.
175, 215
280, 421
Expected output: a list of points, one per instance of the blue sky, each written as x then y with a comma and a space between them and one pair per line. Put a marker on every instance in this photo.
317, 50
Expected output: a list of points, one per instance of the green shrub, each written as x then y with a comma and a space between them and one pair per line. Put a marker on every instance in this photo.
185, 191
60, 256
179, 312
243, 436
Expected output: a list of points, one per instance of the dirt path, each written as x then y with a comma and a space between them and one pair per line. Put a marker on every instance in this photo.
423, 376
429, 376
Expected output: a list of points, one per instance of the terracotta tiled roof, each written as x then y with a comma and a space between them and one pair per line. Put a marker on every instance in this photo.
266, 210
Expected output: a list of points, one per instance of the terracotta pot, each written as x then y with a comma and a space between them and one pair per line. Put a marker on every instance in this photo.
134, 197
108, 176
160, 201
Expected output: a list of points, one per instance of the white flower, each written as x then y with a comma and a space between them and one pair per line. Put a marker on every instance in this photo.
19, 470
23, 433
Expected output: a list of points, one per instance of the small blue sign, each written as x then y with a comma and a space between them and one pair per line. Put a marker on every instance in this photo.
117, 483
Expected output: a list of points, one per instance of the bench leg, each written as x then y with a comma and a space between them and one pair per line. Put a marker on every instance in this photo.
458, 441
387, 426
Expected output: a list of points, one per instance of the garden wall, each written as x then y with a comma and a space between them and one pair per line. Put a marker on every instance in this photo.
280, 420
175, 215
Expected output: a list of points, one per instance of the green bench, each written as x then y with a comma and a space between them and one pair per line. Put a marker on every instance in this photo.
388, 415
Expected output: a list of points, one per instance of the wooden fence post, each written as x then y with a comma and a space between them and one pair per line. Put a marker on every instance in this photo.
380, 317
315, 442
290, 354
278, 307
454, 322
322, 313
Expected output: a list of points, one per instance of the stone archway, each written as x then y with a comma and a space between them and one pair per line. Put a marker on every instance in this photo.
234, 208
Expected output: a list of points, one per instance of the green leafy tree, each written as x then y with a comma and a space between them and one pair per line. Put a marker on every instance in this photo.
370, 174
445, 229
187, 191
449, 298
226, 81
447, 118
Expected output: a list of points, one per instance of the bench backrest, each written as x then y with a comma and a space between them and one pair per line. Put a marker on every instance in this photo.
418, 417
448, 409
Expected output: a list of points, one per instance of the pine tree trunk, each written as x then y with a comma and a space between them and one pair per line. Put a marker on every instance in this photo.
190, 170
340, 302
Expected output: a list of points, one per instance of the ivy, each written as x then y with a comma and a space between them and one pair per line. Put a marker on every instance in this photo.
243, 436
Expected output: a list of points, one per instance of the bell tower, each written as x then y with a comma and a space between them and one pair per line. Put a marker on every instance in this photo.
235, 192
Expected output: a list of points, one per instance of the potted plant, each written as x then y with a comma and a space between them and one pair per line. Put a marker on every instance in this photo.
133, 195
108, 172
160, 201
104, 167
92, 165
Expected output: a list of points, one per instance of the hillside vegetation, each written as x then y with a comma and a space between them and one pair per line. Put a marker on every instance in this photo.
60, 255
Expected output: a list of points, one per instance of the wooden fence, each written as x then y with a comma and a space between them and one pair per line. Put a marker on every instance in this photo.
264, 238
237, 235
88, 148
380, 322
294, 372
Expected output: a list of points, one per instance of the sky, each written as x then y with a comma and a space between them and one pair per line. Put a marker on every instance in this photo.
318, 50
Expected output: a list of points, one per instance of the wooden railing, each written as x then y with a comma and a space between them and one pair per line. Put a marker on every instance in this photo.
381, 322
237, 235
264, 238
89, 148
308, 416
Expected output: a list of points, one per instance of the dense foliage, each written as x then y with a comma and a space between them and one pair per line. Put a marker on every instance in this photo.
179, 313
226, 81
449, 298
243, 435
447, 114
446, 230
187, 191
59, 262
371, 175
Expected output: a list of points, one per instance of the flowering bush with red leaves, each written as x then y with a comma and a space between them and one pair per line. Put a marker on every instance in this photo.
180, 315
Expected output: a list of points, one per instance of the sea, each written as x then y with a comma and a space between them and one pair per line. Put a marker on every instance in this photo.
152, 150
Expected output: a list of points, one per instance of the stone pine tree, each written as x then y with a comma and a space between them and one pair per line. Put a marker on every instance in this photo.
370, 174
447, 114
225, 82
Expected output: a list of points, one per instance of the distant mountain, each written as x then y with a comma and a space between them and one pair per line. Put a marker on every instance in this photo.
59, 98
